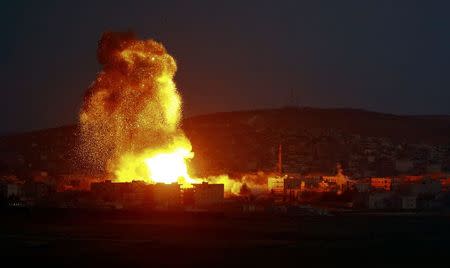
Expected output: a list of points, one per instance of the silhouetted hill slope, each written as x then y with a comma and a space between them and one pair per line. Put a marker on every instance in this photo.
244, 140
410, 129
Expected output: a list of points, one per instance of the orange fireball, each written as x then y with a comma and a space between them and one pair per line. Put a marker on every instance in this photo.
131, 114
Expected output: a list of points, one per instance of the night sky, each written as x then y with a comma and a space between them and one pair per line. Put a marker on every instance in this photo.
387, 56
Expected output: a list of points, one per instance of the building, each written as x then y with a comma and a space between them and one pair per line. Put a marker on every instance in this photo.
445, 184
381, 183
362, 186
381, 200
293, 188
109, 191
206, 195
166, 195
434, 168
36, 191
409, 202
275, 184
426, 186
137, 193
121, 194
103, 190
396, 183
8, 190
13, 190
404, 165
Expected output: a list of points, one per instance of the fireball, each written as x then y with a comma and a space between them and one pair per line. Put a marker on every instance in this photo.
130, 118
169, 167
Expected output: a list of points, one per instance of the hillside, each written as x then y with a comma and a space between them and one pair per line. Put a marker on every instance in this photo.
411, 129
313, 140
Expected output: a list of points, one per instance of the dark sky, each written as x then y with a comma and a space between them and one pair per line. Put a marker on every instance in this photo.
388, 56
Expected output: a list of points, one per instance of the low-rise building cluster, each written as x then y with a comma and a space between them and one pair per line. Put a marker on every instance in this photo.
406, 192
388, 193
108, 194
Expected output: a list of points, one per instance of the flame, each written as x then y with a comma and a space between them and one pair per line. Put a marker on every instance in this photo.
168, 167
256, 183
131, 113
130, 118
158, 166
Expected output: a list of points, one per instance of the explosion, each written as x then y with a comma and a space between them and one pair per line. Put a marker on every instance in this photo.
130, 118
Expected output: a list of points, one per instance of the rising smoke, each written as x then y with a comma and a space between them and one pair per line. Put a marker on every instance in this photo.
132, 110
130, 118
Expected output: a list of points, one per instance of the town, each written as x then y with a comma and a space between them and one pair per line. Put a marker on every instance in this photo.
287, 193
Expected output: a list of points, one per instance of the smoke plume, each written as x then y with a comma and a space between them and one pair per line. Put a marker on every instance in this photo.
132, 110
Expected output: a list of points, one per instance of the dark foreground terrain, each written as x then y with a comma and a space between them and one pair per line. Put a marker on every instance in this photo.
131, 239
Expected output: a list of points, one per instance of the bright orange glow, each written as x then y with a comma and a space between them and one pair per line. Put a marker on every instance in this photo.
159, 166
168, 167
130, 118
131, 113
